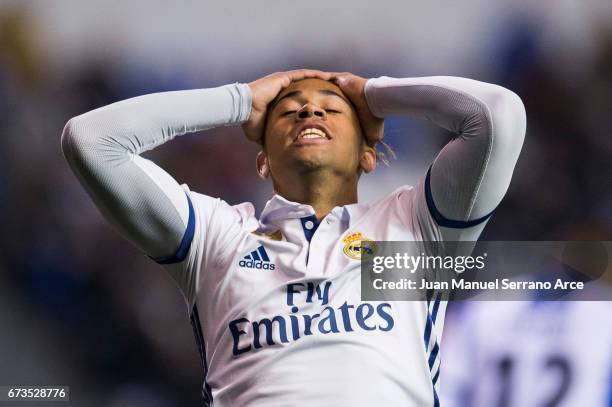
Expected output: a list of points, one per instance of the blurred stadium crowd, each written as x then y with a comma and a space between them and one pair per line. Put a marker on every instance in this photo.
79, 306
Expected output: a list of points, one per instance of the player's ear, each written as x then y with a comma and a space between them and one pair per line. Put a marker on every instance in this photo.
368, 158
263, 169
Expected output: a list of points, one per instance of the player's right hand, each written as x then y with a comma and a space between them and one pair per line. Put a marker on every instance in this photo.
265, 89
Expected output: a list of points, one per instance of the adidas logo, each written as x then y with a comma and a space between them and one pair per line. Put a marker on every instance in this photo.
257, 259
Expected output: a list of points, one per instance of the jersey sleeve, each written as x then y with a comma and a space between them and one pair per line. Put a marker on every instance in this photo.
214, 229
141, 200
471, 174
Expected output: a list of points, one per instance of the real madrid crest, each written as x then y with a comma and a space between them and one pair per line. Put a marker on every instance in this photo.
354, 247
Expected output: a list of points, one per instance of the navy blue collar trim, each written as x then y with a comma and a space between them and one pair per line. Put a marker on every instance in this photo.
308, 233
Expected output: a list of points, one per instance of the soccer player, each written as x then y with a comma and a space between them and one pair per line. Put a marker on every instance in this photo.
275, 300
529, 354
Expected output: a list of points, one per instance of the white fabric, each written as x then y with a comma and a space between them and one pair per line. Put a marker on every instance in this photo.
387, 365
139, 198
528, 354
472, 172
347, 367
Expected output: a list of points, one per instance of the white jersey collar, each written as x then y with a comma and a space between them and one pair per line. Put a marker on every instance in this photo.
279, 209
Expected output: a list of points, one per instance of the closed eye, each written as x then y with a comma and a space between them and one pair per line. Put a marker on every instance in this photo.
332, 111
288, 112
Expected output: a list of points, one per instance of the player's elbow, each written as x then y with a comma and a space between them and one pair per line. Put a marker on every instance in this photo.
79, 143
515, 108
509, 121
70, 139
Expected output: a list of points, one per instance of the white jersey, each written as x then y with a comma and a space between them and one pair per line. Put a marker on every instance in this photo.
275, 302
279, 307
529, 354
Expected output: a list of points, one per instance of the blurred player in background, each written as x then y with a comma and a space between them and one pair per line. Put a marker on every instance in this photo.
528, 354
275, 300
552, 351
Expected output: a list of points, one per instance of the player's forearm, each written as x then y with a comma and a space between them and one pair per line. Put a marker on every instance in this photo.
144, 203
471, 174
461, 105
144, 122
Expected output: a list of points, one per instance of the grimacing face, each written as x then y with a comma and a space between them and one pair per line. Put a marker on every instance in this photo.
313, 103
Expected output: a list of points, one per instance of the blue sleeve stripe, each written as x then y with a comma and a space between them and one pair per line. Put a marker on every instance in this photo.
439, 218
183, 249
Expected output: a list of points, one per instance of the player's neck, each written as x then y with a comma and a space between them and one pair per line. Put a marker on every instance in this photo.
323, 193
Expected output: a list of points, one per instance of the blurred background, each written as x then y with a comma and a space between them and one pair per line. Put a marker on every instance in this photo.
80, 307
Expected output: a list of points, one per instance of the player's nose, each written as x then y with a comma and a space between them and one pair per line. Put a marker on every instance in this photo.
310, 110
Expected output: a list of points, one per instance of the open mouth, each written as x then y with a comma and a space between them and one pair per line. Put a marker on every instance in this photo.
310, 135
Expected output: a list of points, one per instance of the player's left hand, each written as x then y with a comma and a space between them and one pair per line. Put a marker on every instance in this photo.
353, 87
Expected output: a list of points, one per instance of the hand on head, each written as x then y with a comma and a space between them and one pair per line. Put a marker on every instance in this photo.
353, 87
265, 90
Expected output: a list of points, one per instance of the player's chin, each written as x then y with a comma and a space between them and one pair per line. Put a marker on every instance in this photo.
311, 159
